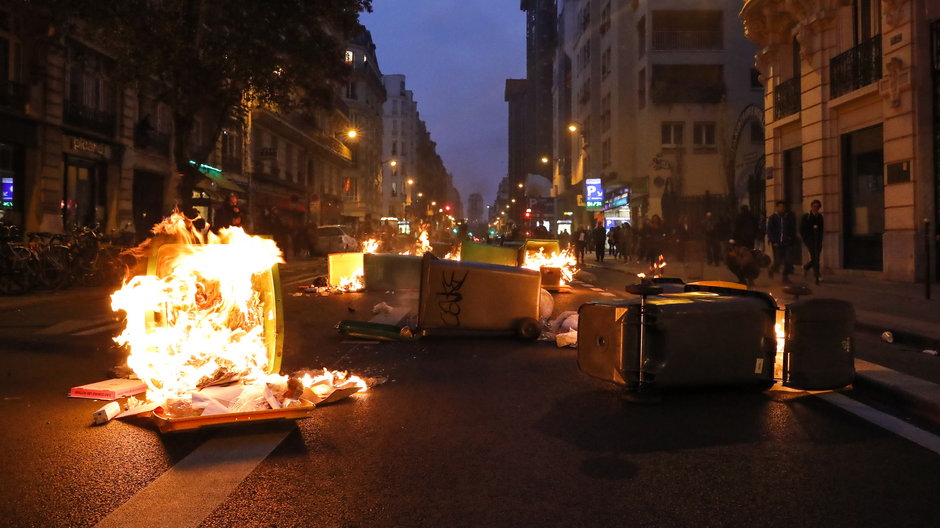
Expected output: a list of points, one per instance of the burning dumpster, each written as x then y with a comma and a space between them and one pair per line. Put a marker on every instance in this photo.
204, 330
556, 266
346, 271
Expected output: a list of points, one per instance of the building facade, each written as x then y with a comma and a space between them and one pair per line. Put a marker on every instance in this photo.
365, 96
400, 116
850, 106
648, 98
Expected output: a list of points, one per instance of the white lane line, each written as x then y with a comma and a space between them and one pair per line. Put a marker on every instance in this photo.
297, 282
99, 329
885, 421
70, 325
193, 488
608, 294
597, 289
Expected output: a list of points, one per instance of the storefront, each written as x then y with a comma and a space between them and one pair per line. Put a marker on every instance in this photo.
85, 189
617, 209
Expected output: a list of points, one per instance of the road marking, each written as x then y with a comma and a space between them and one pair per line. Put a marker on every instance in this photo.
99, 329
597, 289
883, 420
71, 325
306, 281
192, 489
608, 294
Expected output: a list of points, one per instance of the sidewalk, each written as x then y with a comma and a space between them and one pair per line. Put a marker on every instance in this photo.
879, 306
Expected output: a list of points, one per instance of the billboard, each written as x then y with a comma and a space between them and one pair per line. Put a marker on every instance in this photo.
6, 192
593, 193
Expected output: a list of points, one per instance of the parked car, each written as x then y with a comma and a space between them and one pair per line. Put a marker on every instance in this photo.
335, 239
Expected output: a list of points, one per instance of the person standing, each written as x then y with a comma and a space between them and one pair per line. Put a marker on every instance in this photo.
626, 241
745, 228
613, 239
712, 240
229, 214
811, 229
600, 240
781, 231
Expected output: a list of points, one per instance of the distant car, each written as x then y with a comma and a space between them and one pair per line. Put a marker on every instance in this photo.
335, 239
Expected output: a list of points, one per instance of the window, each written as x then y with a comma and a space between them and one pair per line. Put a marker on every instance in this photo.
757, 132
394, 106
584, 93
670, 83
605, 113
671, 134
867, 18
584, 56
605, 153
687, 30
349, 56
585, 15
394, 148
605, 18
605, 63
351, 92
703, 135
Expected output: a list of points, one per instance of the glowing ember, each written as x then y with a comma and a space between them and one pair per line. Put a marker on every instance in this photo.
422, 245
205, 318
354, 283
370, 246
565, 261
321, 385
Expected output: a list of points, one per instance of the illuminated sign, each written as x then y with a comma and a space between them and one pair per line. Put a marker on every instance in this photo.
6, 190
593, 193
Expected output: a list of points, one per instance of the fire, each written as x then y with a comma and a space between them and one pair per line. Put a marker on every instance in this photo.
453, 254
656, 268
564, 260
780, 333
321, 385
370, 246
422, 245
201, 320
354, 283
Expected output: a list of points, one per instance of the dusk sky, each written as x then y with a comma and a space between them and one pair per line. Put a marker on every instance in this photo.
456, 57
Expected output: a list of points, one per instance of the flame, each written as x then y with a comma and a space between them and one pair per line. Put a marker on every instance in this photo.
656, 268
370, 246
453, 254
780, 333
564, 260
354, 283
201, 319
422, 245
321, 385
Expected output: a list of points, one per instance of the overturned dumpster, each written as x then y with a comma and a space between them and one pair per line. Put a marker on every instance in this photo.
712, 335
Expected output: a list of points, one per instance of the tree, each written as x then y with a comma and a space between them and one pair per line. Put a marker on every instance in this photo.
214, 57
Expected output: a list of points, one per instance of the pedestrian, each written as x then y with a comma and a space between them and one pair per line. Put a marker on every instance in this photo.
600, 240
564, 239
654, 234
745, 228
712, 239
626, 241
228, 214
781, 231
681, 235
613, 239
811, 229
580, 244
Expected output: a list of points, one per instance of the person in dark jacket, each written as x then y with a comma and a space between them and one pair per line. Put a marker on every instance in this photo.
600, 240
580, 244
745, 228
228, 214
811, 229
781, 232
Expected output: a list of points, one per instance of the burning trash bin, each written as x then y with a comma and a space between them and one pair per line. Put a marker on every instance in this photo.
204, 331
479, 252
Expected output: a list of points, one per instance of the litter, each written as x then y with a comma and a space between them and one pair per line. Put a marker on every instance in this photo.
546, 304
887, 336
106, 413
569, 339
929, 352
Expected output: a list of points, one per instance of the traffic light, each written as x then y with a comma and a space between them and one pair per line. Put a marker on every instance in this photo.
447, 208
528, 215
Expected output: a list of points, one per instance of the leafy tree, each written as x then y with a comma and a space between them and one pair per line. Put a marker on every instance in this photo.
213, 57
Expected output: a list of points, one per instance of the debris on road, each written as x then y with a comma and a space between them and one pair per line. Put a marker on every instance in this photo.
106, 413
887, 336
567, 339
929, 352
111, 389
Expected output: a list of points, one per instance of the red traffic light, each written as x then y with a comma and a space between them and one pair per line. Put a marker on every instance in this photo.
447, 208
528, 214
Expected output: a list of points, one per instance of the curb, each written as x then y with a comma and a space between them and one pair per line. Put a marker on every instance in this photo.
920, 397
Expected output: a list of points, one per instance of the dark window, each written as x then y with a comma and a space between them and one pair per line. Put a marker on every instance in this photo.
687, 83
687, 30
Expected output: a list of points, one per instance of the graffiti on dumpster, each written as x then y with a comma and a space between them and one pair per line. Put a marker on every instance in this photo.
450, 298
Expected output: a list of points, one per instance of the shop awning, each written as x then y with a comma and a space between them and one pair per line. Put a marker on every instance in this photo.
214, 176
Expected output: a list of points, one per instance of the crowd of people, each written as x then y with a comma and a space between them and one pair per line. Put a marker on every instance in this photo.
739, 242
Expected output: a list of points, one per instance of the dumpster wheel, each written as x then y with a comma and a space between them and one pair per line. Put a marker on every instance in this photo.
528, 329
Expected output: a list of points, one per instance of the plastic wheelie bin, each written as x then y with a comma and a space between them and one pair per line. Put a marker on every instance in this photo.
819, 349
387, 271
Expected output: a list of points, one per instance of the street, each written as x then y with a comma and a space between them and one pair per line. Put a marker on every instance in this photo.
461, 433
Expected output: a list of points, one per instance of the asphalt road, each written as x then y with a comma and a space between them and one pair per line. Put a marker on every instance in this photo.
492, 432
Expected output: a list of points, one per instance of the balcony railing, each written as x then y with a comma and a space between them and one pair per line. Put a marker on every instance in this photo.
687, 40
787, 98
13, 95
152, 140
855, 68
83, 116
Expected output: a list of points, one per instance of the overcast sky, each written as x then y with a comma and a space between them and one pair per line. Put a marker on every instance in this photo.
456, 56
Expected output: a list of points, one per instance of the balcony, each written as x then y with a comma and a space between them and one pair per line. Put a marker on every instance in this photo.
151, 140
687, 40
787, 98
82, 116
13, 96
855, 68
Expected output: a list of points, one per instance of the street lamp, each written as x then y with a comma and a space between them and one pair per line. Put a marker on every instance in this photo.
521, 185
545, 160
410, 181
420, 195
